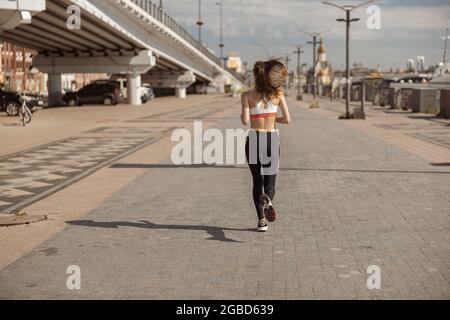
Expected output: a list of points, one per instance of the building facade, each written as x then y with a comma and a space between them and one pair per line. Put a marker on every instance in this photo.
17, 73
234, 62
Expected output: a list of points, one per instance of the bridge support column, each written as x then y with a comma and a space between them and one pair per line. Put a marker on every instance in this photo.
178, 80
132, 66
180, 92
55, 89
134, 89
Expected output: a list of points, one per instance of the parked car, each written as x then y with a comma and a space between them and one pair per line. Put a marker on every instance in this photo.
147, 92
104, 92
11, 101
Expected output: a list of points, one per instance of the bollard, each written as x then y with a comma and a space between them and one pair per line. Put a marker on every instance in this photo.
363, 98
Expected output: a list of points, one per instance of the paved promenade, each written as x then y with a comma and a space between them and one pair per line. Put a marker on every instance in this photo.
350, 194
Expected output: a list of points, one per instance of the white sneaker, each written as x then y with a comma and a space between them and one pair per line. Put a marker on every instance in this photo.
262, 226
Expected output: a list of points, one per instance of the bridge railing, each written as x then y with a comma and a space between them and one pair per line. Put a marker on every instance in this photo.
156, 12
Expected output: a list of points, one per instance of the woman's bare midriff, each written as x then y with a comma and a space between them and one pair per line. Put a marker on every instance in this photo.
263, 124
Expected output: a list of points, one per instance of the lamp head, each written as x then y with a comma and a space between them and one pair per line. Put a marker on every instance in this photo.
25, 17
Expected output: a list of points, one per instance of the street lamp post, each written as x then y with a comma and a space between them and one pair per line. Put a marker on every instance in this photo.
160, 11
314, 43
299, 51
348, 20
221, 45
200, 22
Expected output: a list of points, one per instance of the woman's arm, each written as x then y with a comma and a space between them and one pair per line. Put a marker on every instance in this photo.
245, 116
286, 118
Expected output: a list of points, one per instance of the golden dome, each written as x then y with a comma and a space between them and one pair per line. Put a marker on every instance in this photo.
321, 48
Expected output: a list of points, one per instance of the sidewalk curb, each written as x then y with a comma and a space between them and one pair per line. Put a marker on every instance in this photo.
21, 219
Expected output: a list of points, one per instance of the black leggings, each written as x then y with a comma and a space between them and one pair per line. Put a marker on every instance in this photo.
263, 183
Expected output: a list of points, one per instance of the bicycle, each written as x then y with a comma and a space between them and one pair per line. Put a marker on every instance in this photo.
25, 113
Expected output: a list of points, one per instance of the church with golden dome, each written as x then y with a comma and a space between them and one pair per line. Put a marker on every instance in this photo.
322, 70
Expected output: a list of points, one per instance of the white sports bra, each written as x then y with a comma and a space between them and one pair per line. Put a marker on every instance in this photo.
261, 112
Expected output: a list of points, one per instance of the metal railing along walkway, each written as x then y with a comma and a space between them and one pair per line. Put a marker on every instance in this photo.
156, 12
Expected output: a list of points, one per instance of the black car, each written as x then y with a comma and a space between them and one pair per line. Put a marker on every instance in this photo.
11, 101
104, 92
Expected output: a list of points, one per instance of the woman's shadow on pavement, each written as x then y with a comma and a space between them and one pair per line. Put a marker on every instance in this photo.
216, 233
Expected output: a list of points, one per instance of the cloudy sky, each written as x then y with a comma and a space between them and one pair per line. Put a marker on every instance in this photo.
408, 28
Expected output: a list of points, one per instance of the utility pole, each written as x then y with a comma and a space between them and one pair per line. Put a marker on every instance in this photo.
287, 59
348, 20
314, 42
299, 52
200, 22
444, 61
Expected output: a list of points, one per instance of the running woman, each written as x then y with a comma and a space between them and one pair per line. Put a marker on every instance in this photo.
260, 107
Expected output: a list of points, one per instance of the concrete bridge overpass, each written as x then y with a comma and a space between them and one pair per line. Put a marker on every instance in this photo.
130, 37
